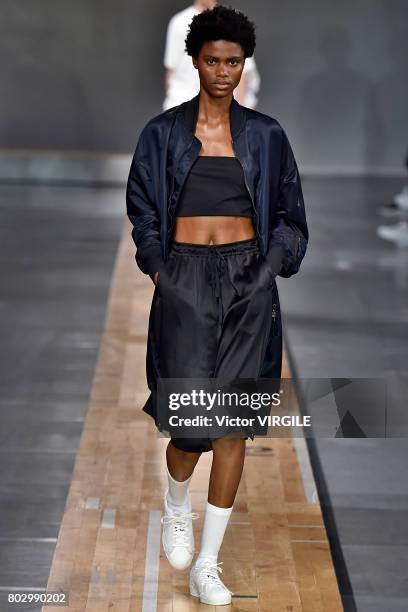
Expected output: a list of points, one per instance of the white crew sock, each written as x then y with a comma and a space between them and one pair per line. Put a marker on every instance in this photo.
215, 524
177, 494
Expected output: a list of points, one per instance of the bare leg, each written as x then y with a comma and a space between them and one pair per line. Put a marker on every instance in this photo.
226, 470
180, 464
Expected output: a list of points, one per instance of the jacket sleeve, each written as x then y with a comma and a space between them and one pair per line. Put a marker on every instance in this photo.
142, 212
289, 235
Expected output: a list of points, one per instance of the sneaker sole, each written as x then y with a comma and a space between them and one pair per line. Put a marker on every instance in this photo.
194, 592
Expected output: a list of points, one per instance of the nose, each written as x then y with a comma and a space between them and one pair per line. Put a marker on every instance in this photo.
222, 71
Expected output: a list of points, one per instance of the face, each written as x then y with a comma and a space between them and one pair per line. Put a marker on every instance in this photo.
220, 64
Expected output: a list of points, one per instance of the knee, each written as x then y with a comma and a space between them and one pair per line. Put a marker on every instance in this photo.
228, 445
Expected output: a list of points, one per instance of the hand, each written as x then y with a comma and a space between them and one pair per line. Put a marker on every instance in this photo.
274, 258
265, 274
156, 277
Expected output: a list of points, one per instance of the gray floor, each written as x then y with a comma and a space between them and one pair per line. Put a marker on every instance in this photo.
57, 250
345, 315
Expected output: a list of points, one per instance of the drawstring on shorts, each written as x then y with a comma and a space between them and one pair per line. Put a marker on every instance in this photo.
215, 265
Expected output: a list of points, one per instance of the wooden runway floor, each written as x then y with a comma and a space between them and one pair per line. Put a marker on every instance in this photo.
108, 556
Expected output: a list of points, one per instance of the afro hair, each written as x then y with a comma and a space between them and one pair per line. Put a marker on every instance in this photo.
220, 23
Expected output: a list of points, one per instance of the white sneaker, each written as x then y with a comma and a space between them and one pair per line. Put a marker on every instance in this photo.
177, 535
206, 584
401, 199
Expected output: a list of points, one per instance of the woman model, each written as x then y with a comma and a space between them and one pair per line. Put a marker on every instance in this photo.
216, 204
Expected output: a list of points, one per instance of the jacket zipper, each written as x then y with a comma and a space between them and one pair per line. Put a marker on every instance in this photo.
250, 195
171, 218
274, 319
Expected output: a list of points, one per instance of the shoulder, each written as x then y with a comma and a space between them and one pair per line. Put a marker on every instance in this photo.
156, 128
263, 123
182, 18
164, 117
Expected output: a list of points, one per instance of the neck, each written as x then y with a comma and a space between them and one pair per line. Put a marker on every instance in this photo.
213, 111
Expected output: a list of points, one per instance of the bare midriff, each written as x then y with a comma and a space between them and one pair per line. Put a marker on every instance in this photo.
213, 229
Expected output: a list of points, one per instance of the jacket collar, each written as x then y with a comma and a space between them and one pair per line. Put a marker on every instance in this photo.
189, 113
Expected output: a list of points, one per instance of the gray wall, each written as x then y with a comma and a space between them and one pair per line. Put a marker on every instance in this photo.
87, 75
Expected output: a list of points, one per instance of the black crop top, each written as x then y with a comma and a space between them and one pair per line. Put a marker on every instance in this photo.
215, 186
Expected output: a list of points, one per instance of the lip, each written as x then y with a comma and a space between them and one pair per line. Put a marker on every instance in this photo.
222, 85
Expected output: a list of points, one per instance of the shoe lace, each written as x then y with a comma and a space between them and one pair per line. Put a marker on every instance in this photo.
209, 574
179, 522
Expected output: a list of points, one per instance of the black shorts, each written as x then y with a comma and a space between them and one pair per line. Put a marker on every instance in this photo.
215, 313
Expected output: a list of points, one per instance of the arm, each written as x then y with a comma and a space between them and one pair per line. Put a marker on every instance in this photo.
167, 76
289, 236
143, 213
173, 50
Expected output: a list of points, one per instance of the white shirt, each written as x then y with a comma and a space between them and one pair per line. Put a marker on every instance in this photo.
184, 82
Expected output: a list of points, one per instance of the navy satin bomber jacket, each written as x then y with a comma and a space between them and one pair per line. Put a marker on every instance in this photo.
164, 155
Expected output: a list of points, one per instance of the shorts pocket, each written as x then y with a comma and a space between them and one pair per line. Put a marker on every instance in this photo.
265, 274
